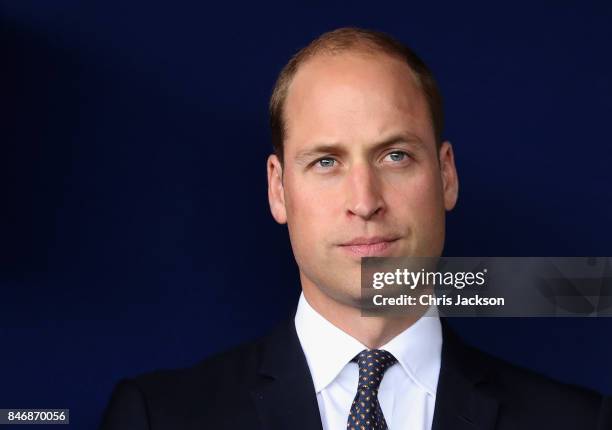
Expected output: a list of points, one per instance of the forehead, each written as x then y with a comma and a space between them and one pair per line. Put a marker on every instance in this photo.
354, 97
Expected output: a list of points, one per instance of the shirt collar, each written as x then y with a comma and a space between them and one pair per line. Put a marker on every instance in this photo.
418, 349
328, 349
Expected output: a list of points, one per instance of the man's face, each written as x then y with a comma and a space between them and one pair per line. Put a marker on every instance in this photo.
361, 173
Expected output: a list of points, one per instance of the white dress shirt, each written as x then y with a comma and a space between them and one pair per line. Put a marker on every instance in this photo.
407, 393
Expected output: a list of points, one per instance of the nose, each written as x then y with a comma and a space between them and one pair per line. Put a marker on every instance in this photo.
364, 198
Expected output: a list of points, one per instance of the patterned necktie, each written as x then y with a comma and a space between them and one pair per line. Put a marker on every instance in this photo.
365, 411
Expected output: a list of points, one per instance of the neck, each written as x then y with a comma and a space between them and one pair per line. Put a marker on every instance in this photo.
373, 332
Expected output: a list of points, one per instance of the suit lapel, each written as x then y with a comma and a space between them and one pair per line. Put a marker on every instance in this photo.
459, 404
285, 396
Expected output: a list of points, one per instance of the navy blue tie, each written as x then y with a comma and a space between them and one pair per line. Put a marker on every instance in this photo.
365, 411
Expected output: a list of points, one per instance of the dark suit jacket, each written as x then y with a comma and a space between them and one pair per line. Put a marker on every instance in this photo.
266, 384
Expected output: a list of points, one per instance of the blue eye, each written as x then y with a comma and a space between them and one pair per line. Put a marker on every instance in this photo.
326, 162
397, 156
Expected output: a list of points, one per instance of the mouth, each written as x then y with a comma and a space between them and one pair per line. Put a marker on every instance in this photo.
370, 247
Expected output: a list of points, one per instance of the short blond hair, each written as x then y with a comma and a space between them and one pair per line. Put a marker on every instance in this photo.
347, 39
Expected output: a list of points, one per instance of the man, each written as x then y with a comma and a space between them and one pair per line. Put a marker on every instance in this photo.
359, 169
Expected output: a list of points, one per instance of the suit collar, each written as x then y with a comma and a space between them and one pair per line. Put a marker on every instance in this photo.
328, 349
460, 405
285, 395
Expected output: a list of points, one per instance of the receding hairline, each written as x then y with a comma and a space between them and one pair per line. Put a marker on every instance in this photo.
370, 53
364, 48
363, 52
360, 42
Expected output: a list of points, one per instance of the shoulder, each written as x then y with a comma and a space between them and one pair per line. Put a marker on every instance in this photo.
525, 398
224, 378
510, 380
188, 397
234, 367
524, 394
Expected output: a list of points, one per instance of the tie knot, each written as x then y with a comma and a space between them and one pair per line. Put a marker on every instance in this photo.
373, 363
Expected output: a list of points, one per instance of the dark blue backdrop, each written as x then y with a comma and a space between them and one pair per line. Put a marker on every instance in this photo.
135, 232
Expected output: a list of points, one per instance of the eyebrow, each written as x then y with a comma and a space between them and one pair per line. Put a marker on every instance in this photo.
408, 139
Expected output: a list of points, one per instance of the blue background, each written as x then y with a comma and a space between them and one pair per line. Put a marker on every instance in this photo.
135, 232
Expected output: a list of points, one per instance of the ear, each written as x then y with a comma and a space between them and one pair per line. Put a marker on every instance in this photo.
276, 191
450, 180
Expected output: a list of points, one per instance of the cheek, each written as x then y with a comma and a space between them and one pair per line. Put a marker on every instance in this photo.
418, 197
314, 199
310, 213
305, 205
